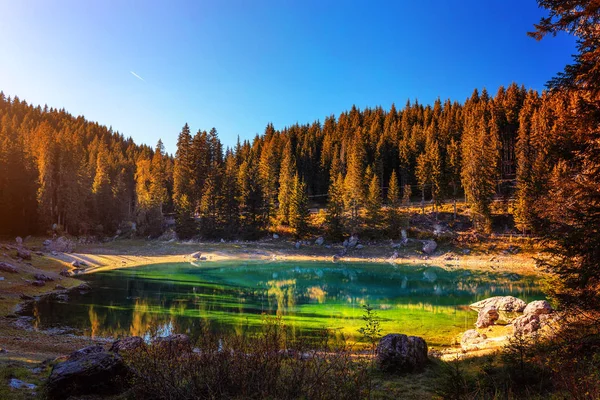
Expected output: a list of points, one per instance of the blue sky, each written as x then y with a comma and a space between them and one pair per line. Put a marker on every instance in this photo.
237, 65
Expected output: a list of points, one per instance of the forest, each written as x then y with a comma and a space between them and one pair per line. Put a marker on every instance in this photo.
62, 172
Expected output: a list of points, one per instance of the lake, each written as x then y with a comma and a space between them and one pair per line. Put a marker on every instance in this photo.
233, 297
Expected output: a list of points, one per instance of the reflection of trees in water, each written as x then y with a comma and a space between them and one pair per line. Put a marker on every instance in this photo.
284, 292
316, 293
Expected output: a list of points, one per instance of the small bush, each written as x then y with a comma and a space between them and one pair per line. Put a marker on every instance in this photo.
269, 365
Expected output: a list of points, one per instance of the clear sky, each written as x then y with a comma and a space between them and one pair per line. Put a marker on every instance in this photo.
147, 67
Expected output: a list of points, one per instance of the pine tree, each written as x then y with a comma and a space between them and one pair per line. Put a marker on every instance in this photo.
334, 220
286, 175
299, 211
373, 201
394, 222
354, 185
406, 193
453, 169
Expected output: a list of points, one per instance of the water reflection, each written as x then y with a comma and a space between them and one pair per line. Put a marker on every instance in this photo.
230, 297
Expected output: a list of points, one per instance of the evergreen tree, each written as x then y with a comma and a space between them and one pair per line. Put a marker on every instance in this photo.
394, 222
373, 201
299, 212
354, 186
334, 219
286, 184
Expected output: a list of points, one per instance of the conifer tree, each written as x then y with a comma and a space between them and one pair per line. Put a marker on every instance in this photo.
354, 185
299, 212
334, 220
406, 193
373, 201
286, 184
393, 200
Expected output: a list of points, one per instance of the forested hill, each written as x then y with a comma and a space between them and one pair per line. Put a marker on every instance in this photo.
86, 179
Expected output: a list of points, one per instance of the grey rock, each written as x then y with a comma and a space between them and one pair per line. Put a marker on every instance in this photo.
275, 236
401, 353
177, 342
320, 240
1, 278
6, 267
538, 307
487, 317
127, 344
345, 243
60, 287
24, 254
429, 246
353, 241
297, 245
19, 384
38, 283
42, 277
19, 241
196, 255
88, 371
359, 247
526, 324
472, 337
502, 303
47, 242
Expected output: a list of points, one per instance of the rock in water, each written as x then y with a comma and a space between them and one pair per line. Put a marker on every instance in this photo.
429, 246
320, 240
87, 371
502, 303
487, 317
401, 353
538, 307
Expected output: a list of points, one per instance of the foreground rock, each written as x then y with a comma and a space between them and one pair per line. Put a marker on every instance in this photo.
23, 253
88, 371
400, 353
502, 303
487, 317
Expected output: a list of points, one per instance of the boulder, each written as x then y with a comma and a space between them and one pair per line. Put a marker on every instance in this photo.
65, 272
275, 236
538, 307
401, 353
359, 247
15, 383
76, 264
177, 342
353, 241
297, 245
62, 244
88, 371
429, 246
19, 241
335, 258
127, 344
60, 287
320, 240
6, 267
196, 255
472, 337
23, 253
526, 324
47, 242
487, 317
42, 277
38, 283
502, 303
